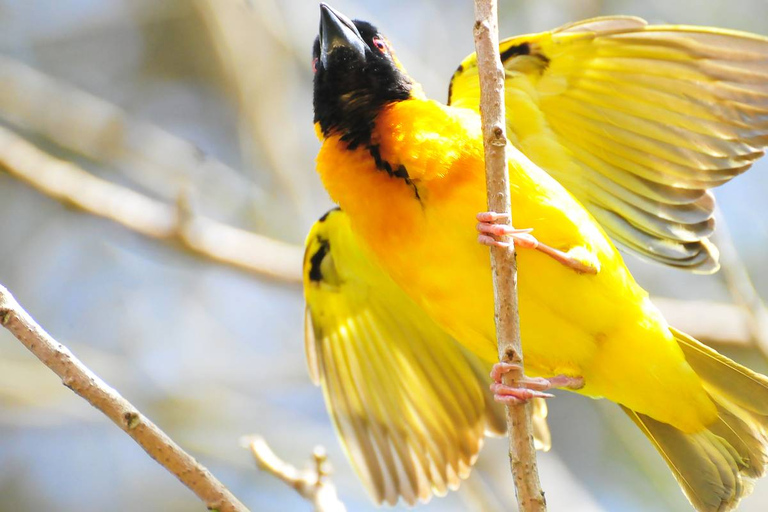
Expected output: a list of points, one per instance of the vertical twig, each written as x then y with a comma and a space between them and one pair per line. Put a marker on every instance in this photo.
522, 454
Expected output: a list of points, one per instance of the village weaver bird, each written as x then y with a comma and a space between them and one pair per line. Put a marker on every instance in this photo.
617, 130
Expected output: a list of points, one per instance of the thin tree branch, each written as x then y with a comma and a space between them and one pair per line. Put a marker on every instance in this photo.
77, 377
313, 484
99, 130
522, 454
210, 239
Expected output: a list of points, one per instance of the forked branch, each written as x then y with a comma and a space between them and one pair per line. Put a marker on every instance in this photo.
313, 484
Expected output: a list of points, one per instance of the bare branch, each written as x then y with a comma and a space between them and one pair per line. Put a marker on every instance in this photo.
313, 484
77, 377
522, 454
90, 126
210, 239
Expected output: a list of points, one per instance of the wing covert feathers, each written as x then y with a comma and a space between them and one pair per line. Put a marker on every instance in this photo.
639, 122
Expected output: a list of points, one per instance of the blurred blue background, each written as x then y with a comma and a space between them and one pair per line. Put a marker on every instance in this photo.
209, 352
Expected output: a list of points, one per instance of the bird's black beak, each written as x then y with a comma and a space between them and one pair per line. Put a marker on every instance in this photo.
337, 31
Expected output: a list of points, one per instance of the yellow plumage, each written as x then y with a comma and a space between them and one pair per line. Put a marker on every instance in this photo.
638, 123
571, 324
410, 405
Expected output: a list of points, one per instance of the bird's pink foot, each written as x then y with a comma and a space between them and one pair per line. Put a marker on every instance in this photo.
527, 387
492, 226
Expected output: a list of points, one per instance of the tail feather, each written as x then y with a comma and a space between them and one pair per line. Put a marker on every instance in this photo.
738, 385
717, 467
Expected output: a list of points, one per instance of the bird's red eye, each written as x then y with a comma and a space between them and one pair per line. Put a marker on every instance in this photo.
314, 65
380, 44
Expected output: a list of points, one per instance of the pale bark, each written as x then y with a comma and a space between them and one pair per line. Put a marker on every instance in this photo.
77, 377
522, 454
313, 484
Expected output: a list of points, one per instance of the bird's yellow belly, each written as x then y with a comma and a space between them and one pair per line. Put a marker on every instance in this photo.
572, 324
601, 327
456, 289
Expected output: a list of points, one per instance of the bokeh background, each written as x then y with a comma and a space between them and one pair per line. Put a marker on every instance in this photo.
209, 101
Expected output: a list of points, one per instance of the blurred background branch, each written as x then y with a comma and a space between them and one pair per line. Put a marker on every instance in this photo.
261, 63
313, 483
73, 186
84, 124
740, 286
715, 323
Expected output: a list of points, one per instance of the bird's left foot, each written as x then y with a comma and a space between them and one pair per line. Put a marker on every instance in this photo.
527, 387
492, 226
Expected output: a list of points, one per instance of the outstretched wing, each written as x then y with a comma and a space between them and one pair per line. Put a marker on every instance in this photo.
639, 122
410, 405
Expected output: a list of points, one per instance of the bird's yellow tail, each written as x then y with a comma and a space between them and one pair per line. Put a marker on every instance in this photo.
717, 467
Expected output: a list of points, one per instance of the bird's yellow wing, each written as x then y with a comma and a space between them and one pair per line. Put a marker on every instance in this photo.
639, 122
410, 405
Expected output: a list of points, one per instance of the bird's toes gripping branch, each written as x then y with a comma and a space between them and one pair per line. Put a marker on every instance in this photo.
493, 226
525, 387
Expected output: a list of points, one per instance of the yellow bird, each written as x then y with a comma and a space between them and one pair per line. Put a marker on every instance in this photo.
617, 129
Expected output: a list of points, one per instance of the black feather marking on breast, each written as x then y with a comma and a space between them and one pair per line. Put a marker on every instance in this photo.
400, 172
315, 274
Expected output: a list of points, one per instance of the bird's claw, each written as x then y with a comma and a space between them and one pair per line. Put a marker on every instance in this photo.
493, 217
526, 388
492, 226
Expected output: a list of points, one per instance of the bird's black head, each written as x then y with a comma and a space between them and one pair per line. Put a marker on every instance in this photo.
356, 75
